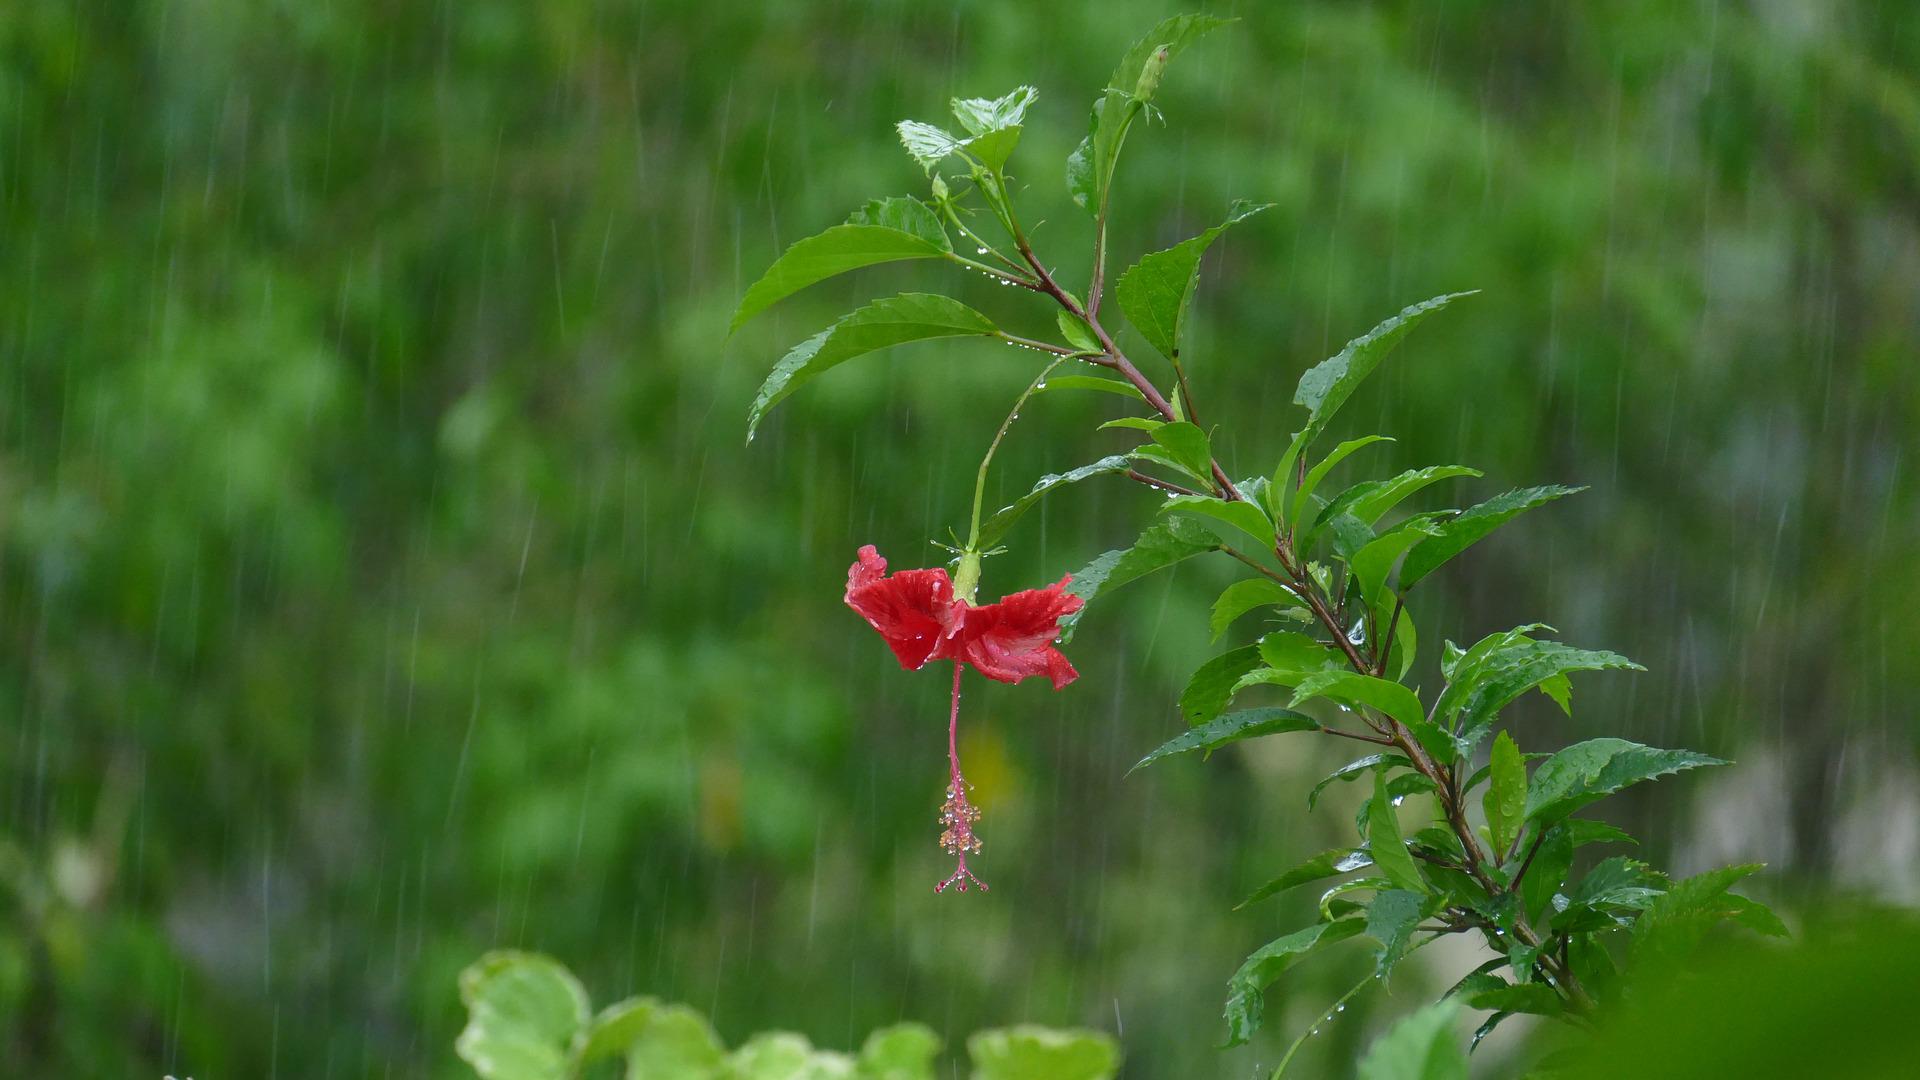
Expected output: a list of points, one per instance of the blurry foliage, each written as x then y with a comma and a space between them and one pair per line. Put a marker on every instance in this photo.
382, 576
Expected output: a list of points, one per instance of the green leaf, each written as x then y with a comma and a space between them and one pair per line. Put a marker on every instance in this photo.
1390, 921
1294, 652
1420, 1046
1319, 472
1173, 34
1458, 534
1551, 861
1244, 516
979, 116
1247, 988
1080, 336
614, 1030
1505, 802
1324, 865
1133, 423
1156, 292
677, 1042
883, 323
926, 144
993, 149
1232, 728
1211, 686
1028, 1052
1384, 842
523, 1013
840, 249
996, 526
1326, 387
1591, 770
1491, 681
900, 1052
1532, 998
1614, 889
1188, 445
1372, 505
1585, 832
1373, 563
1090, 166
1246, 595
783, 1055
906, 215
1163, 544
1354, 768
1667, 934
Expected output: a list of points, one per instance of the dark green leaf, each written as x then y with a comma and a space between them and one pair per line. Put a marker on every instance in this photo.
838, 250
1420, 1046
1211, 686
1390, 921
1324, 865
1243, 596
1591, 770
1354, 768
1247, 988
883, 323
1090, 167
1156, 292
1534, 998
1667, 933
1232, 728
1164, 543
1383, 839
1487, 681
1373, 564
1390, 698
1505, 802
1326, 387
1548, 870
1585, 832
996, 526
1462, 532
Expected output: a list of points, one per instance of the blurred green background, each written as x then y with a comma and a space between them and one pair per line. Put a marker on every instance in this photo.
384, 577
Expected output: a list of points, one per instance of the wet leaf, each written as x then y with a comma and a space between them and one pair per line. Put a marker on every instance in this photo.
1156, 292
896, 234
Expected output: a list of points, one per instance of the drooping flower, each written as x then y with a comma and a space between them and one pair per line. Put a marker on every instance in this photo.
921, 619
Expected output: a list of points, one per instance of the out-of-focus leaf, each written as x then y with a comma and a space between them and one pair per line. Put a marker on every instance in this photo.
1420, 1046
1523, 998
678, 1042
1667, 933
614, 1029
1028, 1052
901, 1052
887, 232
1591, 770
995, 527
1324, 865
1460, 533
1156, 292
883, 323
1232, 728
523, 1013
1246, 990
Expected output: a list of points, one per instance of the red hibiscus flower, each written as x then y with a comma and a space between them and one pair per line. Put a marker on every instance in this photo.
921, 619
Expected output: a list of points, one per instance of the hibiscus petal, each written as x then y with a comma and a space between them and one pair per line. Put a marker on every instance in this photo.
912, 610
1013, 639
